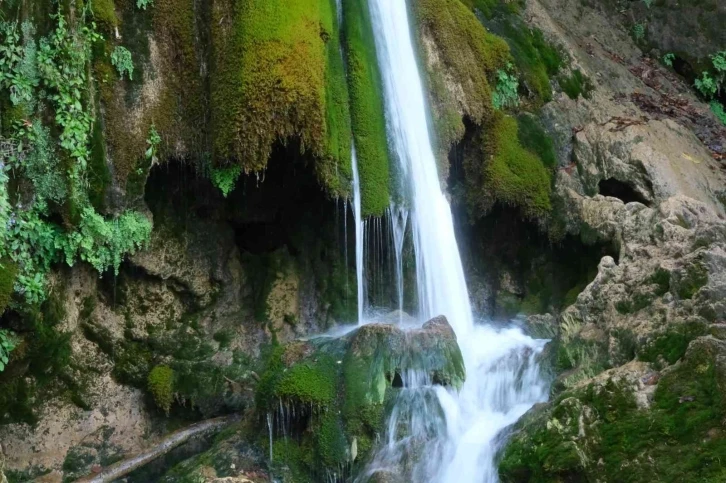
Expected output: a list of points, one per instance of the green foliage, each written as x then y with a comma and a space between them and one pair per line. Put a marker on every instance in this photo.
309, 383
648, 3
226, 178
161, 386
639, 31
367, 108
42, 165
719, 111
575, 85
711, 82
121, 59
18, 70
505, 94
706, 85
668, 59
691, 280
671, 345
7, 344
142, 4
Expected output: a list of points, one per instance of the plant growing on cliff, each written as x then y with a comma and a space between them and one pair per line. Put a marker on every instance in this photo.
668, 59
7, 344
121, 59
506, 92
711, 82
152, 142
639, 31
225, 178
718, 110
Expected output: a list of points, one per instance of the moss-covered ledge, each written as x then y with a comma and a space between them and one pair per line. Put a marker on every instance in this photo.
277, 74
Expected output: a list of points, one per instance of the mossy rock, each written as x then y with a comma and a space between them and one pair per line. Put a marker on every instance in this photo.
598, 431
161, 386
331, 392
503, 171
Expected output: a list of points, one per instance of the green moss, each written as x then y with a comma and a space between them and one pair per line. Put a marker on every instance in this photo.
536, 59
330, 441
161, 386
466, 52
510, 174
104, 12
661, 278
692, 280
533, 138
310, 383
599, 431
576, 84
672, 344
367, 108
8, 271
277, 75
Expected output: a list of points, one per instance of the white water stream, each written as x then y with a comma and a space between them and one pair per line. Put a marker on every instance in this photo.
454, 435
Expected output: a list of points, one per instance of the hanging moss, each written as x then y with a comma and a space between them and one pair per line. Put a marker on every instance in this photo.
277, 74
104, 13
470, 57
503, 171
367, 108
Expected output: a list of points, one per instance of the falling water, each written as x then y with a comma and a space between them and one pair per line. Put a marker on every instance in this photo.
455, 439
359, 238
398, 216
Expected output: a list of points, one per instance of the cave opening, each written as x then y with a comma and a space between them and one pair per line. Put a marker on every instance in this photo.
621, 190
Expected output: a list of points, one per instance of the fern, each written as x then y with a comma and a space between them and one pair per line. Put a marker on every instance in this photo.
706, 85
225, 178
121, 59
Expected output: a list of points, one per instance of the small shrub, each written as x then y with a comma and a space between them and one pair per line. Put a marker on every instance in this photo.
161, 385
639, 31
121, 59
142, 4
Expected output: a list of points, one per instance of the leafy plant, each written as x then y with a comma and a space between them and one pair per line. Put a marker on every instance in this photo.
668, 59
706, 85
639, 31
18, 72
121, 59
718, 110
7, 344
225, 178
506, 92
142, 4
153, 142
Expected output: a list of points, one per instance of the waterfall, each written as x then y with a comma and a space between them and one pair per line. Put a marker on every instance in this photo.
359, 238
457, 440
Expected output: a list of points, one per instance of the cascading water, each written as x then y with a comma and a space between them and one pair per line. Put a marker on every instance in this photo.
359, 237
455, 439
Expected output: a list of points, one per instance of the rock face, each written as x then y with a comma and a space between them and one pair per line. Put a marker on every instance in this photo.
633, 354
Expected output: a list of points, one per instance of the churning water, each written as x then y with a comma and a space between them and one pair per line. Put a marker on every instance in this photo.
436, 434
